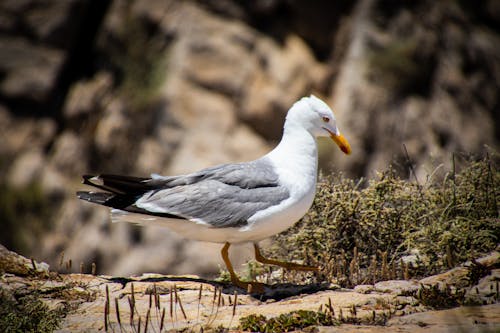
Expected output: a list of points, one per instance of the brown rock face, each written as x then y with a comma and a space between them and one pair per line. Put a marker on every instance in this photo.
31, 71
168, 87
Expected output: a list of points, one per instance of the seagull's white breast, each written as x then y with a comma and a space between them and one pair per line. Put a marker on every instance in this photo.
296, 162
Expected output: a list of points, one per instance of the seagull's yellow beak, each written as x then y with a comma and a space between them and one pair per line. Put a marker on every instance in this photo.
341, 142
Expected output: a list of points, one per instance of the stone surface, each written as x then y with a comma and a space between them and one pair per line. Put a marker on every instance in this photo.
14, 264
193, 303
87, 96
487, 289
26, 169
69, 154
464, 319
31, 70
398, 287
364, 288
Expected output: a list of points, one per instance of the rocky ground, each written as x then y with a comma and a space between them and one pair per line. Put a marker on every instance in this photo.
464, 299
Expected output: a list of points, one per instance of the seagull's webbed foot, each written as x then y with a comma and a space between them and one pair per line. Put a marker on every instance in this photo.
288, 265
251, 287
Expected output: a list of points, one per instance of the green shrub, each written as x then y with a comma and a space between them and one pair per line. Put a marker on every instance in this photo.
361, 234
27, 313
287, 322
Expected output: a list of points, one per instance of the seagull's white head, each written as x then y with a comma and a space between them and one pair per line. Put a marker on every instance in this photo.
318, 119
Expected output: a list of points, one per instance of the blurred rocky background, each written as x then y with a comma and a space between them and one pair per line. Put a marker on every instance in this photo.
158, 86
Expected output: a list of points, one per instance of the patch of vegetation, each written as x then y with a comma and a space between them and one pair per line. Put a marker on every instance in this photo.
287, 322
302, 319
27, 313
72, 293
440, 297
366, 234
476, 272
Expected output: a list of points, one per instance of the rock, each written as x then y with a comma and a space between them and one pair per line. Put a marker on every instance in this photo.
191, 302
86, 96
49, 22
360, 93
457, 276
285, 74
219, 63
224, 75
151, 155
415, 258
69, 154
491, 260
55, 22
30, 71
462, 319
486, 291
53, 183
13, 263
364, 288
92, 235
464, 276
398, 287
112, 128
21, 135
26, 169
213, 142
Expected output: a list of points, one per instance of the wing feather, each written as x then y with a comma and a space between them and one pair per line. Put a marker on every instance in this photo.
222, 196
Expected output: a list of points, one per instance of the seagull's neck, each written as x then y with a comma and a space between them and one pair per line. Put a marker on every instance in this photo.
296, 154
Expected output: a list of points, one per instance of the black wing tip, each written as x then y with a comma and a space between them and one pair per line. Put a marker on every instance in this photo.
101, 198
86, 179
84, 195
119, 184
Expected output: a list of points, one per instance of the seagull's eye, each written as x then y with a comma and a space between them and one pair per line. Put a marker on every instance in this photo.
325, 119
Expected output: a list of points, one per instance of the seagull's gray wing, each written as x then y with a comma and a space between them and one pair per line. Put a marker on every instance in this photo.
259, 173
222, 196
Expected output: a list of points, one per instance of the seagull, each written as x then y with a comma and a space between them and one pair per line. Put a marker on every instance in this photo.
231, 203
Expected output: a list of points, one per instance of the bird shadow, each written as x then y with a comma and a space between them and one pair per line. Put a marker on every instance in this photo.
277, 292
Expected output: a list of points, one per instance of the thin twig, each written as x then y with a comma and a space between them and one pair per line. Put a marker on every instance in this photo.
178, 299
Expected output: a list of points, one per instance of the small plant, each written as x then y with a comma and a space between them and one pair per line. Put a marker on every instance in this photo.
301, 319
27, 313
476, 272
224, 276
286, 322
440, 297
